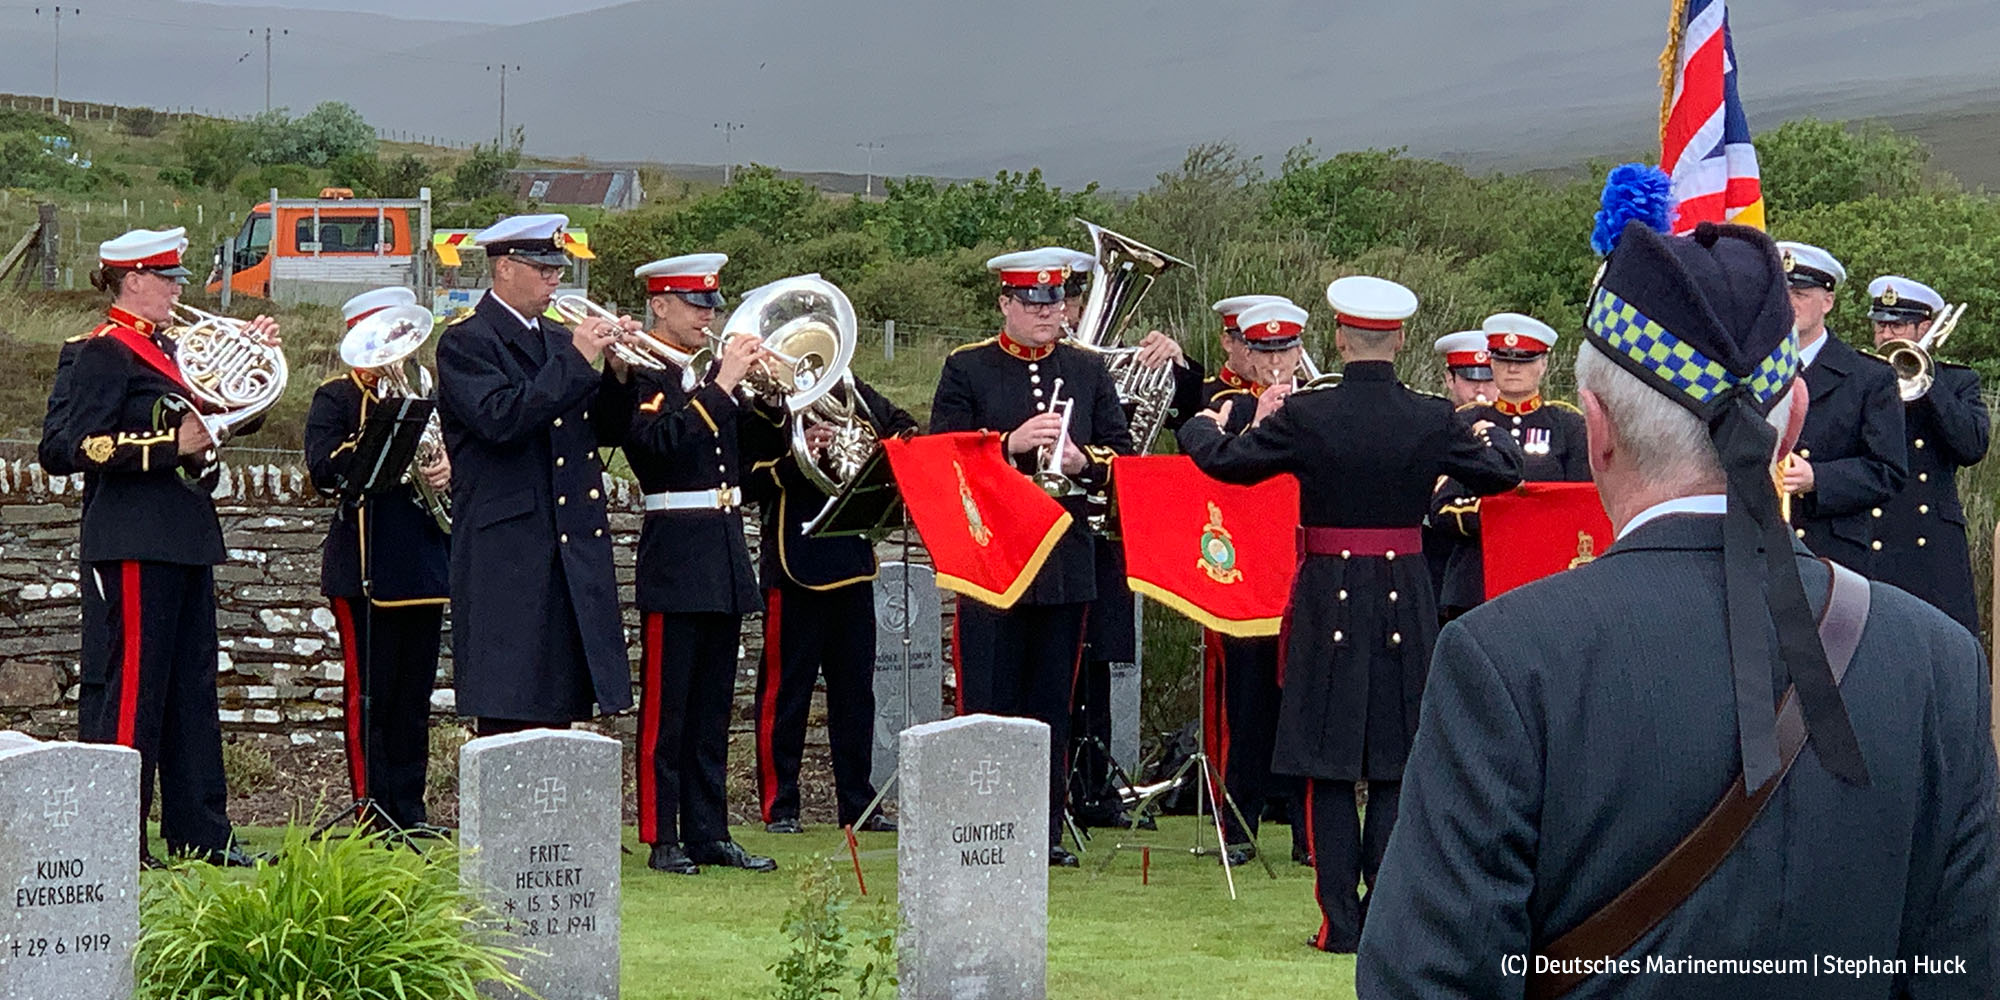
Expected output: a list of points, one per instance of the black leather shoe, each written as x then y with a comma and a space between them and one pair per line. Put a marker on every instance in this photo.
1237, 857
1300, 857
232, 856
878, 823
671, 859
784, 826
729, 854
149, 863
1060, 857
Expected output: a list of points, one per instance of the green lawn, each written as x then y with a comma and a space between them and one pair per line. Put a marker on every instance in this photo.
713, 937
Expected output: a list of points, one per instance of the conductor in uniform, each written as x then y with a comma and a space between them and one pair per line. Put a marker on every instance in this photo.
121, 413
1357, 634
1577, 729
819, 620
1922, 529
1024, 661
1550, 432
1852, 456
695, 582
1261, 339
385, 569
537, 639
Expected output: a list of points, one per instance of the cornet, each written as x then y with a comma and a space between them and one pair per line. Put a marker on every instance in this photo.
229, 371
1049, 457
638, 349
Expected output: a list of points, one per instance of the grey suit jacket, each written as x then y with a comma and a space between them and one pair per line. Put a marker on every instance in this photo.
1576, 729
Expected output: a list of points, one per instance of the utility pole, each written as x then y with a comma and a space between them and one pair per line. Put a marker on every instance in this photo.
55, 90
267, 61
500, 139
729, 130
872, 147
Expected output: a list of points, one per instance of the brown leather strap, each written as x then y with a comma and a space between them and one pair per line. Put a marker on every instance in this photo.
1614, 929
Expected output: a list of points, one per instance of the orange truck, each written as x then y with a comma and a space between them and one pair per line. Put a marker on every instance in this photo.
328, 248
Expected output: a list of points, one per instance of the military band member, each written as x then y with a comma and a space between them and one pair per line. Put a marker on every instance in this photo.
122, 414
1262, 340
1468, 382
1550, 433
1577, 729
1922, 529
1357, 636
537, 639
1111, 629
1024, 661
385, 569
1851, 456
694, 579
819, 620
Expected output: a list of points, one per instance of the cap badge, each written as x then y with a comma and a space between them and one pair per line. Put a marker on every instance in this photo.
1481, 357
1788, 261
1512, 340
708, 281
1041, 277
1889, 296
1272, 326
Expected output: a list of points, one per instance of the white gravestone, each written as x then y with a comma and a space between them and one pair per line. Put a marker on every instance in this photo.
907, 606
69, 848
972, 860
539, 821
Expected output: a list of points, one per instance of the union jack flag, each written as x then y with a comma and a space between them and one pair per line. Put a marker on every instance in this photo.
1704, 136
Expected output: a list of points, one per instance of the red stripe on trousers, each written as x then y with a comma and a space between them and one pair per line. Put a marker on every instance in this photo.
649, 728
767, 712
128, 685
957, 661
1312, 851
351, 688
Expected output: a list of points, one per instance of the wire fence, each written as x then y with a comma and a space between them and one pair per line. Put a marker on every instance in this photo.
112, 114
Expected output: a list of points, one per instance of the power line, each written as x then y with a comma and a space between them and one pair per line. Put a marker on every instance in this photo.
55, 91
501, 139
267, 62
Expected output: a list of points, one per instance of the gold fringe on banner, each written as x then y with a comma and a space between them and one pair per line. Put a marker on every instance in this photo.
1670, 60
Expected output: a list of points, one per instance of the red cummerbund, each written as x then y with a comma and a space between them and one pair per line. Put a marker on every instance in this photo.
1360, 541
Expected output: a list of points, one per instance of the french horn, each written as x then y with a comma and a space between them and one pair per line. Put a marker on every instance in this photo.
234, 376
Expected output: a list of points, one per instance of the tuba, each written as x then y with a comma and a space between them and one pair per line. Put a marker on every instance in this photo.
233, 376
1126, 268
809, 327
383, 341
1912, 359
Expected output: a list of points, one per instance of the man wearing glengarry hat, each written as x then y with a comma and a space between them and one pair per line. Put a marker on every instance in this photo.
537, 638
1922, 528
1851, 456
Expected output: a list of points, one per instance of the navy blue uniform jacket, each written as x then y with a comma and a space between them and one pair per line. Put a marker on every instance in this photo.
1577, 728
407, 557
1854, 439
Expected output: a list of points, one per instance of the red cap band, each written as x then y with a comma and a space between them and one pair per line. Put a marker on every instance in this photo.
1274, 330
1466, 359
680, 283
1030, 279
1364, 323
165, 258
1514, 342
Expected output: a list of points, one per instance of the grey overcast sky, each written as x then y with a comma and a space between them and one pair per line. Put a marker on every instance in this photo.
482, 11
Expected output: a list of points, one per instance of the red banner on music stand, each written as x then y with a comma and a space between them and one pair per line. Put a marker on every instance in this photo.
1538, 529
988, 527
1222, 555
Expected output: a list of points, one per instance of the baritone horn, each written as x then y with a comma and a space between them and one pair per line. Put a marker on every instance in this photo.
1914, 360
383, 341
233, 375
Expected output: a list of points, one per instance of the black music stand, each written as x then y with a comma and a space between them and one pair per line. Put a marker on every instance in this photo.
869, 507
382, 455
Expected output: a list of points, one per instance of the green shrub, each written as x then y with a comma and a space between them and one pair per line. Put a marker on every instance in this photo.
819, 965
331, 919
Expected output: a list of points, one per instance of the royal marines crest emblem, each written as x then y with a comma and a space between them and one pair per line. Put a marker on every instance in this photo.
975, 524
1218, 549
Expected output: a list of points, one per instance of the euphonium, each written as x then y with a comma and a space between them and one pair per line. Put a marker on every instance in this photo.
1126, 268
1913, 360
808, 327
234, 375
382, 342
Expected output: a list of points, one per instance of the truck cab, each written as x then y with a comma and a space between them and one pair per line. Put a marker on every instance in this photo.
321, 249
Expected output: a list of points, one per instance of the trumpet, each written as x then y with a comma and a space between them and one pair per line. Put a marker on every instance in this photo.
231, 373
1913, 360
1049, 457
640, 349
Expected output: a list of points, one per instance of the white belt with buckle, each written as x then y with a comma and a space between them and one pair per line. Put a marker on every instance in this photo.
725, 498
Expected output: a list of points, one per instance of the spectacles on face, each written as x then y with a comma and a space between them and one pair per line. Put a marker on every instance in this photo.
1038, 307
549, 274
